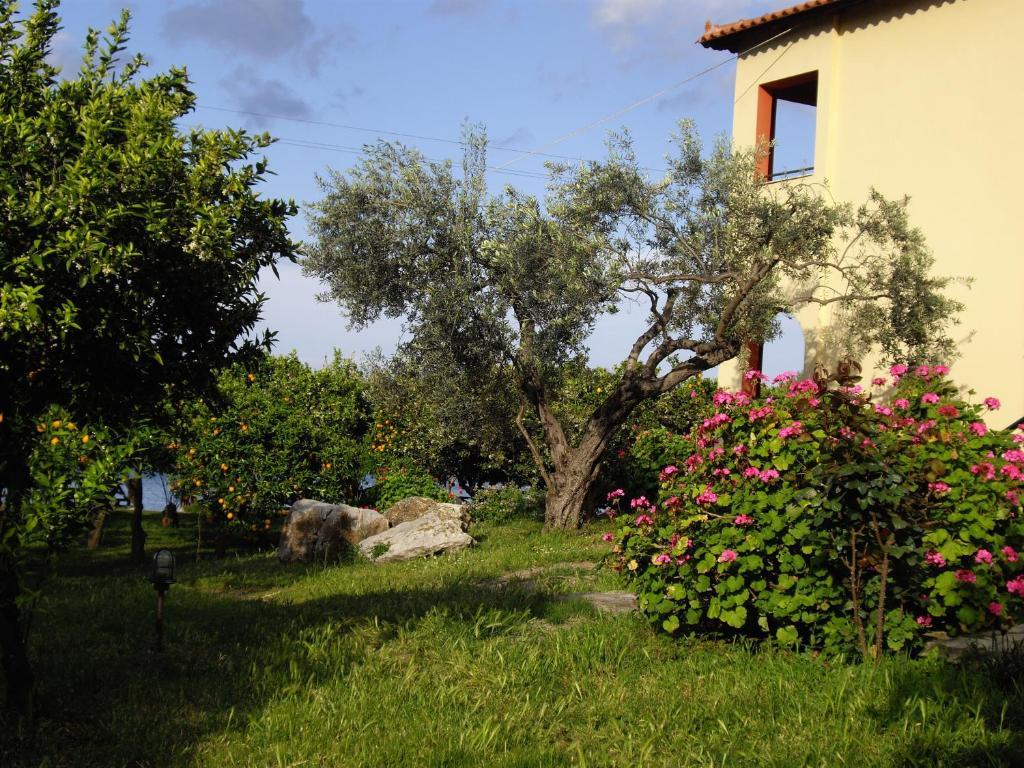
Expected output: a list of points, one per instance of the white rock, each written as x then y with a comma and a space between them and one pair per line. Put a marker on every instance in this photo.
318, 531
428, 535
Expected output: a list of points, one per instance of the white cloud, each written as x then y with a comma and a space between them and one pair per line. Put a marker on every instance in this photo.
665, 29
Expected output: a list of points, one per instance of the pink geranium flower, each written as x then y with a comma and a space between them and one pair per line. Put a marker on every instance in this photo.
769, 475
644, 520
940, 370
934, 558
948, 411
966, 576
929, 398
992, 403
978, 428
983, 556
751, 472
898, 370
922, 371
878, 381
984, 470
1016, 586
707, 496
608, 537
1010, 554
618, 493
995, 608
794, 429
742, 520
938, 488
924, 621
662, 559
668, 471
901, 403
721, 397
727, 556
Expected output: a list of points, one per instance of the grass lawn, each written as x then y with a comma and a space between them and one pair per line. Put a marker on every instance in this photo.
434, 663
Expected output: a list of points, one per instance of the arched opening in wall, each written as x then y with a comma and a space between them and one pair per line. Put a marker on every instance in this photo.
786, 351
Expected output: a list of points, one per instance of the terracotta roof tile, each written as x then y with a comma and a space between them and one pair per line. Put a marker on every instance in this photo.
716, 35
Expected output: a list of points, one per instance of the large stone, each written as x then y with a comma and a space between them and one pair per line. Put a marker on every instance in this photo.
415, 507
428, 535
322, 532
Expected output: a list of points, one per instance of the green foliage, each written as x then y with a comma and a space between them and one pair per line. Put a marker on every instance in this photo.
76, 471
824, 519
130, 251
446, 428
506, 504
509, 284
400, 480
274, 432
655, 437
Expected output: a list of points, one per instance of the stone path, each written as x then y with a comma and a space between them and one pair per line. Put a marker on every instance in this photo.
616, 601
953, 648
612, 601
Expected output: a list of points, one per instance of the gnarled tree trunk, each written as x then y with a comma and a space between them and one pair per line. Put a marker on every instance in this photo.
571, 485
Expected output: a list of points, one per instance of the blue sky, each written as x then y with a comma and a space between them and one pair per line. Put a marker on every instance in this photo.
531, 71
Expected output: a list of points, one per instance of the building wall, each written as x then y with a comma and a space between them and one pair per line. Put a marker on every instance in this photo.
925, 98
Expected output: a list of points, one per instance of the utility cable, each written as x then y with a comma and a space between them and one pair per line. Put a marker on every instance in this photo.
641, 102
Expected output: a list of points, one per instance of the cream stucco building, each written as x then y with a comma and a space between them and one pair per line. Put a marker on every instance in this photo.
916, 97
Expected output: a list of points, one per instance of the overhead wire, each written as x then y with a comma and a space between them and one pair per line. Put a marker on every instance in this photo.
522, 153
329, 147
376, 131
640, 102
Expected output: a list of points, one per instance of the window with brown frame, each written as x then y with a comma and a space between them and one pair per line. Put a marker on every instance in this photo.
786, 117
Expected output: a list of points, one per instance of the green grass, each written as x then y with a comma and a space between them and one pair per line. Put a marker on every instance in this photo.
432, 663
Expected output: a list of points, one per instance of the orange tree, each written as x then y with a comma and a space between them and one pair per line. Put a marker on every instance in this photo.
274, 431
129, 262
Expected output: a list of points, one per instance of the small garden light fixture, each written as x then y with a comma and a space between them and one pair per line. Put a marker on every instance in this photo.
162, 578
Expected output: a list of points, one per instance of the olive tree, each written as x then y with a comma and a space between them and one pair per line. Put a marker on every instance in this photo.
128, 266
712, 249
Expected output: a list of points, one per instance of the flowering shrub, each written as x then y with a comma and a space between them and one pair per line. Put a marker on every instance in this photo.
655, 436
833, 519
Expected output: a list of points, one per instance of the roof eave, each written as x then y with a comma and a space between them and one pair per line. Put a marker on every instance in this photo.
756, 31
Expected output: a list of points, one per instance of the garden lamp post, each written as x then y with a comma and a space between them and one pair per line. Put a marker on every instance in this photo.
162, 578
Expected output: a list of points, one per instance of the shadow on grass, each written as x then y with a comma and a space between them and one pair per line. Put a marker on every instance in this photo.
987, 689
107, 697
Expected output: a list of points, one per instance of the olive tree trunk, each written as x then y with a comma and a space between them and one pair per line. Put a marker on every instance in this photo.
571, 490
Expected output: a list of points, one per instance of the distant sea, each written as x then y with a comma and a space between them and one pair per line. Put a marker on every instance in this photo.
156, 492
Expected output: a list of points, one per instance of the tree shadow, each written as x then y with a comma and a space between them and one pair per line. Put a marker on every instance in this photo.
107, 697
988, 688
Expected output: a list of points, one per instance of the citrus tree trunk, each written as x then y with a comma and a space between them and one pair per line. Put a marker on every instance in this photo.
138, 534
96, 532
17, 669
